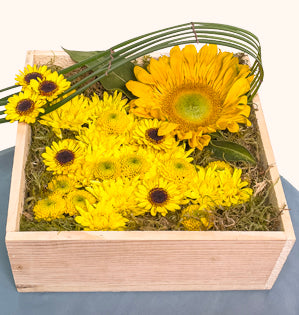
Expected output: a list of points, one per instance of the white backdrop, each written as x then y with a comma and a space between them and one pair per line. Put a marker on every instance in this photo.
98, 25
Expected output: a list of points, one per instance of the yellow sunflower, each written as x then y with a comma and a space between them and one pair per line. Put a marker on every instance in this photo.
158, 195
25, 106
71, 115
32, 73
197, 92
51, 86
63, 157
49, 208
146, 133
77, 198
101, 217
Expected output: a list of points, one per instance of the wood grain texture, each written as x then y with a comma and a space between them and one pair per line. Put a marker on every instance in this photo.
142, 261
142, 265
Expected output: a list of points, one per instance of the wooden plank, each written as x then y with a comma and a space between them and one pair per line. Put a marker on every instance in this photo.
146, 236
17, 186
100, 265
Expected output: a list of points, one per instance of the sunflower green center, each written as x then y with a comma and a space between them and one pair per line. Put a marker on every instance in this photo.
152, 135
32, 76
48, 88
65, 157
25, 106
158, 196
192, 106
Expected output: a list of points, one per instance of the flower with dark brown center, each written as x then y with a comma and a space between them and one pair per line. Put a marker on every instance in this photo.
25, 106
65, 157
33, 76
158, 196
152, 135
47, 88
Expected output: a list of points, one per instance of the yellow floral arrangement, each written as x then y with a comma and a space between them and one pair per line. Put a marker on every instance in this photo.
153, 151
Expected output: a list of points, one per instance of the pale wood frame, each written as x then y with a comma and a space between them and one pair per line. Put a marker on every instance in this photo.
141, 261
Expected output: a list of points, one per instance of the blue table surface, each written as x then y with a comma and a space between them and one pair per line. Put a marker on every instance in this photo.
282, 299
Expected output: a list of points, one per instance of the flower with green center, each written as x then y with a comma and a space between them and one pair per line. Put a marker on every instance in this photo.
77, 198
49, 208
194, 218
32, 73
24, 107
220, 186
64, 157
51, 86
135, 161
108, 102
101, 217
178, 170
197, 92
106, 168
120, 192
115, 121
71, 115
62, 184
157, 195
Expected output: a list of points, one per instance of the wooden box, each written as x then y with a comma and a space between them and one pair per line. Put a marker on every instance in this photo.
141, 261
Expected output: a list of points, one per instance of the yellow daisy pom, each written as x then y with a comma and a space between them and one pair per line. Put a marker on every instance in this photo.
63, 157
50, 208
120, 192
24, 107
77, 198
194, 218
71, 115
198, 92
101, 217
62, 184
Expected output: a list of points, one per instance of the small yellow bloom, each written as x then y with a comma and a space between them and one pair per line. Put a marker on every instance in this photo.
32, 73
71, 115
62, 184
51, 86
120, 192
63, 157
194, 218
49, 208
159, 195
77, 198
25, 106
146, 133
101, 217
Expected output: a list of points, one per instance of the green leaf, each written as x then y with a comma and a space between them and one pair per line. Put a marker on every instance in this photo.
231, 151
115, 79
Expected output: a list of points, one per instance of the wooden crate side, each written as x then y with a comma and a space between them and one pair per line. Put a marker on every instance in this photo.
279, 196
59, 58
120, 265
17, 186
